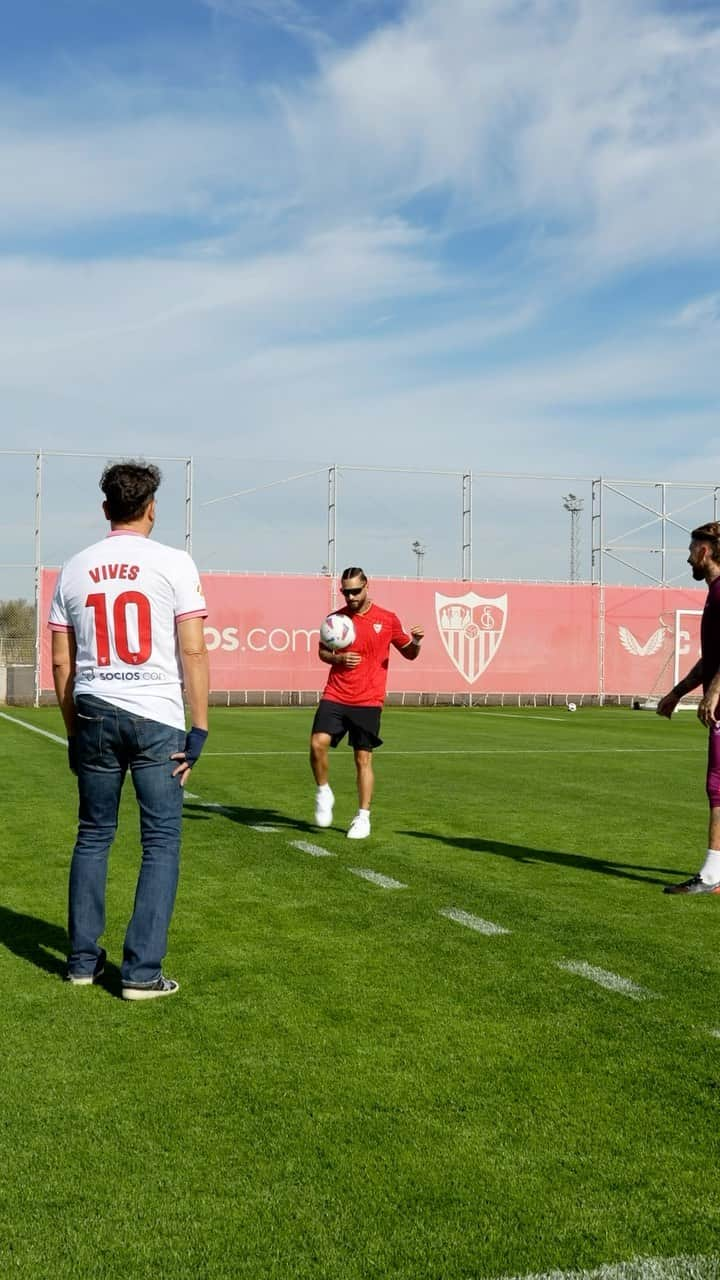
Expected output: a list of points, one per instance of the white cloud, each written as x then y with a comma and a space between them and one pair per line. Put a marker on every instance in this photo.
599, 125
701, 313
148, 327
602, 118
300, 18
64, 175
216, 357
588, 131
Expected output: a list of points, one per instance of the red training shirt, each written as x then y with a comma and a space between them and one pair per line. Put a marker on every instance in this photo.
365, 684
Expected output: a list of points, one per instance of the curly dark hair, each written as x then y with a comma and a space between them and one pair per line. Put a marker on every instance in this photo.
129, 487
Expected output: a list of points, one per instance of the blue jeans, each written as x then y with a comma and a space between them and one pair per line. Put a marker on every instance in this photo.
109, 742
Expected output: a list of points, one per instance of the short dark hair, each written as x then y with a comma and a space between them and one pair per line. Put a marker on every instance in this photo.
129, 488
709, 533
353, 572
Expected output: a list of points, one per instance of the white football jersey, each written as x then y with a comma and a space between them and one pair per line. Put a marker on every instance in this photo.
122, 598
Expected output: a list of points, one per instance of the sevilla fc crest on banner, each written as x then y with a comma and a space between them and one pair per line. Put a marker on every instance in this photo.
471, 627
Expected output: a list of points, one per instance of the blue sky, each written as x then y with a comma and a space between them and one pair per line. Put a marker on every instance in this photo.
429, 233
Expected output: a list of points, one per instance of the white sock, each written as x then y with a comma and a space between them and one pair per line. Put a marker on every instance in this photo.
710, 870
363, 813
323, 788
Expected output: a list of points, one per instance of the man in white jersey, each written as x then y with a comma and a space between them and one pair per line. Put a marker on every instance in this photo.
127, 634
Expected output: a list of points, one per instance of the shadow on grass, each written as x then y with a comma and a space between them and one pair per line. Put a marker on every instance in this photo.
246, 817
34, 940
39, 941
575, 861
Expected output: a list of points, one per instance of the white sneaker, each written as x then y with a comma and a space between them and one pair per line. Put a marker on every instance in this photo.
324, 801
359, 827
161, 987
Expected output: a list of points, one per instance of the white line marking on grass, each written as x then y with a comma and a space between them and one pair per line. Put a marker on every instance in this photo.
495, 751
383, 882
603, 978
502, 715
54, 737
680, 1268
715, 1033
314, 850
205, 804
450, 751
547, 751
223, 808
472, 922
624, 712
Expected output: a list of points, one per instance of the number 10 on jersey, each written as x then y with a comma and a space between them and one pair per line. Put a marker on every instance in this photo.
140, 605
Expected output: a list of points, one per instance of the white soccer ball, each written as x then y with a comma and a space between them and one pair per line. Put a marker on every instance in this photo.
337, 631
572, 706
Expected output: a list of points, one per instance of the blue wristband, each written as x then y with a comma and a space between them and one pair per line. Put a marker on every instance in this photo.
194, 743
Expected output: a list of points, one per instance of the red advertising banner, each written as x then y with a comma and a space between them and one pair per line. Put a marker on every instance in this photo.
652, 636
484, 637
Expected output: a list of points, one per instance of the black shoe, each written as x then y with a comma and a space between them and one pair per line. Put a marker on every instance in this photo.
87, 979
695, 885
161, 987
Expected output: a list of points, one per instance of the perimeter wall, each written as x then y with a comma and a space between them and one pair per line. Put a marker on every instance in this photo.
484, 641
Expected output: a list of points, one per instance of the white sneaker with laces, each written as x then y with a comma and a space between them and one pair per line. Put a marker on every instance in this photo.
324, 801
160, 987
359, 827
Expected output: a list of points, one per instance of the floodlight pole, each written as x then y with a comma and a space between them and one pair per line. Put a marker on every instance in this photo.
419, 550
574, 505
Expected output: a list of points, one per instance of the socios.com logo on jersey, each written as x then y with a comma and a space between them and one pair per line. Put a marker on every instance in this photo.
154, 676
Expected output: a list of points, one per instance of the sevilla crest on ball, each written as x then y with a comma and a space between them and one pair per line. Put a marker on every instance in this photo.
337, 631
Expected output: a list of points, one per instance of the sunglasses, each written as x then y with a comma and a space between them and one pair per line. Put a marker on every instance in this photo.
351, 591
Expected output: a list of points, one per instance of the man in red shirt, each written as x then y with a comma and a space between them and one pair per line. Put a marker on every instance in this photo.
704, 560
354, 695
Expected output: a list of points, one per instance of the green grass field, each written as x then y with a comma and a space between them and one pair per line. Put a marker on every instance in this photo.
350, 1084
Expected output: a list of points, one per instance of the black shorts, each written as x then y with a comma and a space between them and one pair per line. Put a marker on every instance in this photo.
361, 724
